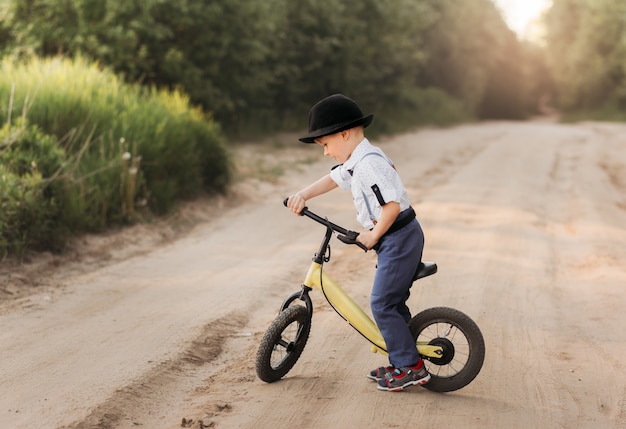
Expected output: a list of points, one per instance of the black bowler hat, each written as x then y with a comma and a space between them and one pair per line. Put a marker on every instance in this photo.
333, 114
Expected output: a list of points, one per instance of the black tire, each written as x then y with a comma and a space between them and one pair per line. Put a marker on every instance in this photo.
283, 343
462, 342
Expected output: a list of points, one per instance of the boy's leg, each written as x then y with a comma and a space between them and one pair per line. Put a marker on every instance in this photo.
398, 256
404, 310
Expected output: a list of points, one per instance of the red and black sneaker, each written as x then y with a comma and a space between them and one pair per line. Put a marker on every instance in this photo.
379, 373
406, 376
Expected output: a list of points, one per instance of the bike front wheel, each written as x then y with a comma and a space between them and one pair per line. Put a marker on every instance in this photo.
462, 344
283, 343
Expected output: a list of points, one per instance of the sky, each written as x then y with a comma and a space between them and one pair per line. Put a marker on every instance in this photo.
518, 14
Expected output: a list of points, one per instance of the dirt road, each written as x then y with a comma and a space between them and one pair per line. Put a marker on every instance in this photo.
527, 222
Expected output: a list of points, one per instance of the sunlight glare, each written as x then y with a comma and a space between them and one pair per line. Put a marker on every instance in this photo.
520, 14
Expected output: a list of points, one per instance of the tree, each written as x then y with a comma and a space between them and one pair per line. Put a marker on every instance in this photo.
586, 50
260, 65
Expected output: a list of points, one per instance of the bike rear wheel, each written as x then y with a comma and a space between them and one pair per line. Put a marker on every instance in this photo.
283, 343
462, 343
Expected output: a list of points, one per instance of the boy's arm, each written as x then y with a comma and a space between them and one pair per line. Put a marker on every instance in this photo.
297, 201
391, 210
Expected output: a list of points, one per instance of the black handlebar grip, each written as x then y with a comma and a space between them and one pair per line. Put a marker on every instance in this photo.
350, 238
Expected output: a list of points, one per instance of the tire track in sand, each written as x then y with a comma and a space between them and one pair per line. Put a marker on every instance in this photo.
169, 382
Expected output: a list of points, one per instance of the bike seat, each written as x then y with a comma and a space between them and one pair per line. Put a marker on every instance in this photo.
425, 269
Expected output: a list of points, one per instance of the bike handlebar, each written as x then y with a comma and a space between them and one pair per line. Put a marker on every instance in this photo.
344, 235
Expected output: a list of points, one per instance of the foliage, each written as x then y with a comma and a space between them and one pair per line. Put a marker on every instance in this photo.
474, 57
29, 201
91, 111
132, 91
259, 66
586, 44
212, 49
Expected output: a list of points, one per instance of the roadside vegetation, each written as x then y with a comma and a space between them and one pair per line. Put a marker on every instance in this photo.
113, 111
586, 48
81, 150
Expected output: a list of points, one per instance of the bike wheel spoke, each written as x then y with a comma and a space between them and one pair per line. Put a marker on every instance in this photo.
283, 343
457, 338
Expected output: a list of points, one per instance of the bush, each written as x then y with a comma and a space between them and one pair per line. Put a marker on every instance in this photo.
82, 151
29, 207
176, 150
26, 149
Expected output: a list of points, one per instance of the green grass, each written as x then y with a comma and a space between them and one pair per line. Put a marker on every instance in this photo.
125, 148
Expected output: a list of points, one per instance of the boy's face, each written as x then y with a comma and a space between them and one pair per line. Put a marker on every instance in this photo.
335, 145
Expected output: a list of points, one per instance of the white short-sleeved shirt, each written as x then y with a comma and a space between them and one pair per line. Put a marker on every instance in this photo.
373, 180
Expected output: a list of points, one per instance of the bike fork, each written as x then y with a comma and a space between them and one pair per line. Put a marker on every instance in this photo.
302, 295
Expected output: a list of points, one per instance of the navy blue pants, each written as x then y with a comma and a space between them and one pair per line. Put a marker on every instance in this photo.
399, 254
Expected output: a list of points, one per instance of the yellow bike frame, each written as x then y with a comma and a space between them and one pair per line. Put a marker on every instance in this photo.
354, 315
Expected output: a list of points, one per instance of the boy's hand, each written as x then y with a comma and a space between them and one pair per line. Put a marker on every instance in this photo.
368, 239
296, 203
387, 218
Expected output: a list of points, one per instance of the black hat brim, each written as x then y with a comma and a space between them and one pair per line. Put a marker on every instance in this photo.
336, 128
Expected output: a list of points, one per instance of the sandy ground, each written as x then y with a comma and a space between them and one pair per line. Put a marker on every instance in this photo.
157, 326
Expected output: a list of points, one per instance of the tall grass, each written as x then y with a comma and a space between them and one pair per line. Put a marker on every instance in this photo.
125, 146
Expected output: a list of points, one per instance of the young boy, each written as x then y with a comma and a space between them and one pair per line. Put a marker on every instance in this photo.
390, 228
